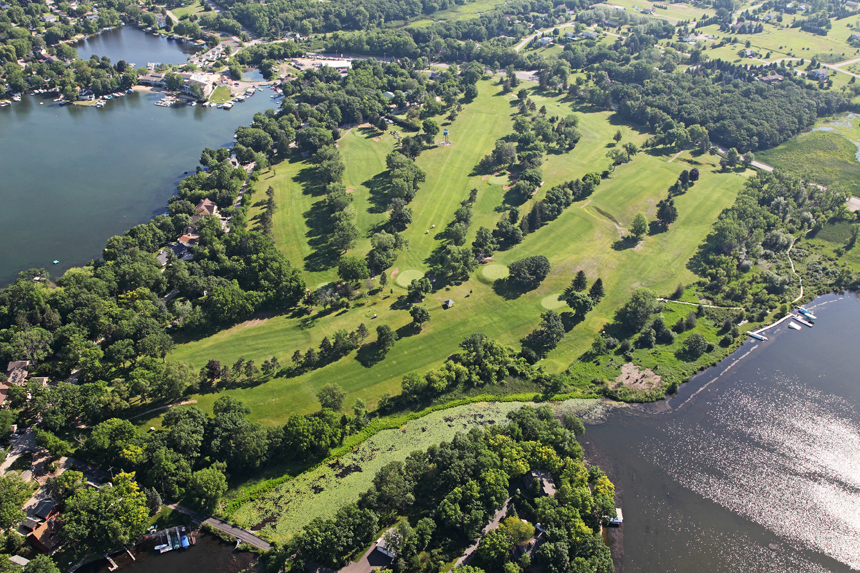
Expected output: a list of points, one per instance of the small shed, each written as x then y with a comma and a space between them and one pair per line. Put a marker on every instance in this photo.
448, 303
19, 561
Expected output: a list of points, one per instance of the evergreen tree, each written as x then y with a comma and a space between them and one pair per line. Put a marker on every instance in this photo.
596, 292
580, 282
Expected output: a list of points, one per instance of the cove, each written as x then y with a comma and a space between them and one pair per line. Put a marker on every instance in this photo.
73, 176
753, 466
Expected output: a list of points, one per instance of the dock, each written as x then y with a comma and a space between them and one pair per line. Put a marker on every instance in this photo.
803, 322
113, 566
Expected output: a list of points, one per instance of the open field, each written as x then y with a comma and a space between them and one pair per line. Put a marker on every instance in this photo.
191, 7
459, 12
585, 236
825, 157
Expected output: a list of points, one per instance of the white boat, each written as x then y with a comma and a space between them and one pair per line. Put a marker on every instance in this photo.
227, 105
794, 325
618, 519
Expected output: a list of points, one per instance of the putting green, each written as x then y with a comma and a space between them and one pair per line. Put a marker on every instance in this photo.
405, 278
553, 301
495, 271
498, 180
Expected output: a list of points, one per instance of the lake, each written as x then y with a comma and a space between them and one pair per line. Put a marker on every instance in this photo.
133, 45
75, 176
754, 466
209, 554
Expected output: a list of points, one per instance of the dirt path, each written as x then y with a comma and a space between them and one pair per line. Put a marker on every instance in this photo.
697, 304
242, 534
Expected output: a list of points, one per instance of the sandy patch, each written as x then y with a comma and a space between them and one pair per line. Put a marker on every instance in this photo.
636, 379
854, 204
350, 190
484, 178
394, 273
364, 125
506, 187
377, 139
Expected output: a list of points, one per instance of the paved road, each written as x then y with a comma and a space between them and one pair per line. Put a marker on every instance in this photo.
242, 534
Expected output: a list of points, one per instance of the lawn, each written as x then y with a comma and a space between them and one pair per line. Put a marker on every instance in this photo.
220, 95
191, 7
584, 236
825, 157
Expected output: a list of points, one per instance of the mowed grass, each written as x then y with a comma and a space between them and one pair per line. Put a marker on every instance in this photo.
190, 8
220, 94
300, 224
582, 237
825, 157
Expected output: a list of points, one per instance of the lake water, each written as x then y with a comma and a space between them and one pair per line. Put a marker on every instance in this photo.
209, 554
133, 45
74, 176
754, 466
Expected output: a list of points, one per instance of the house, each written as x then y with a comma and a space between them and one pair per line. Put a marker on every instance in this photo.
853, 37
388, 95
162, 258
16, 372
30, 523
191, 80
46, 535
818, 75
4, 391
48, 18
41, 380
17, 364
545, 41
545, 483
852, 4
151, 80
448, 303
188, 240
45, 508
206, 207
588, 35
750, 53
383, 547
771, 78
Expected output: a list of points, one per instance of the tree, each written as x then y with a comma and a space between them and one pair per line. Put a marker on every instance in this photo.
696, 345
13, 493
173, 81
694, 174
639, 226
667, 213
331, 396
517, 530
529, 272
580, 282
41, 564
732, 157
420, 315
617, 136
352, 269
55, 446
206, 488
418, 288
431, 129
106, 518
385, 338
493, 549
636, 312
580, 303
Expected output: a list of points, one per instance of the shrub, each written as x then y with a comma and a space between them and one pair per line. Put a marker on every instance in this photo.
696, 345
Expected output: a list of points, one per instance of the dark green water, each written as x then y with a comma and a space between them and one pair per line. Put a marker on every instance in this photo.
754, 466
74, 176
209, 555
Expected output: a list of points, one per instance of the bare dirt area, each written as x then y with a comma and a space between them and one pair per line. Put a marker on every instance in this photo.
636, 379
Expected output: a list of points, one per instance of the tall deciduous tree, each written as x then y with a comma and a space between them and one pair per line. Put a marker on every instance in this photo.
331, 396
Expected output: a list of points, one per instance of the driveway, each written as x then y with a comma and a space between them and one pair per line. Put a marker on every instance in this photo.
23, 444
369, 562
